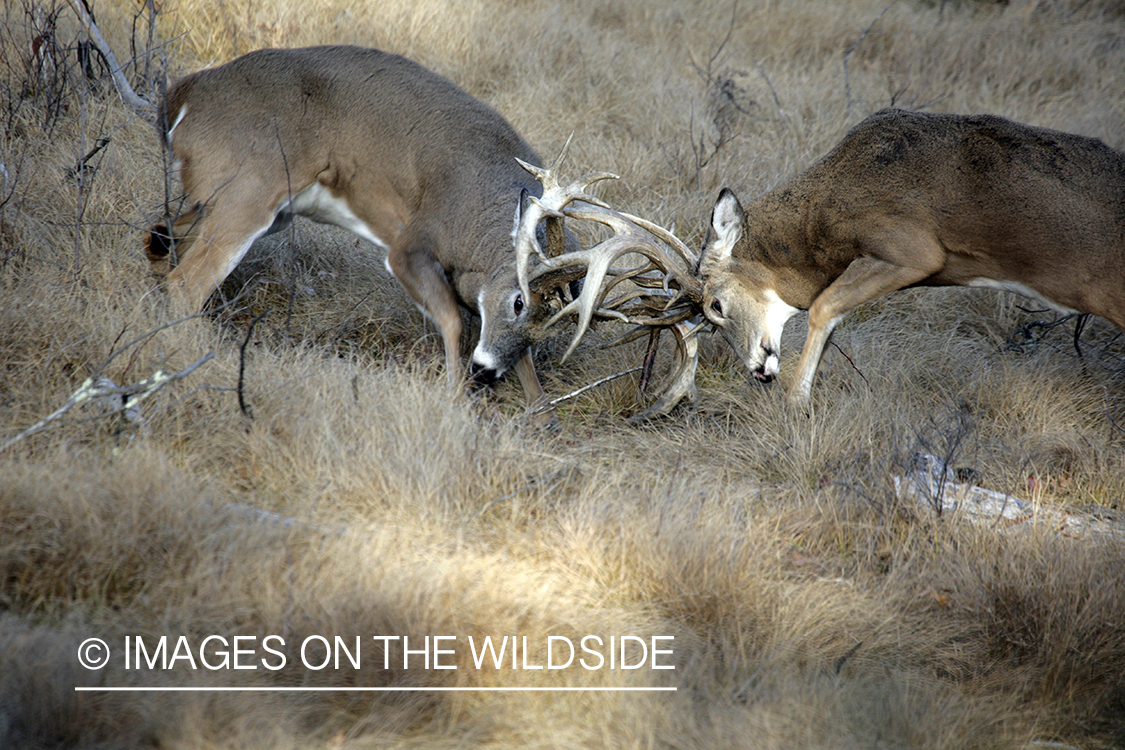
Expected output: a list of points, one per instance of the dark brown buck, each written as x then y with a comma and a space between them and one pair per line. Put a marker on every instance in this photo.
913, 199
378, 145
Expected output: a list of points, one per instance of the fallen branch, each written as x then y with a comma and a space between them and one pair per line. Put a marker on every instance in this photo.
123, 400
546, 406
141, 106
935, 485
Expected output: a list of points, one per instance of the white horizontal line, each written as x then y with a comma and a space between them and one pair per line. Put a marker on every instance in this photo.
365, 689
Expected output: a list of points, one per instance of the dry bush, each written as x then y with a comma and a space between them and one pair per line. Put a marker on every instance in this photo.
317, 476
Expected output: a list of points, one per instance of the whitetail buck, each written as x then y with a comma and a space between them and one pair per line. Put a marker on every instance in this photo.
400, 156
913, 199
378, 145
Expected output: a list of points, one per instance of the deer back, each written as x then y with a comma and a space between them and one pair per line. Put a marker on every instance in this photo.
1004, 200
414, 156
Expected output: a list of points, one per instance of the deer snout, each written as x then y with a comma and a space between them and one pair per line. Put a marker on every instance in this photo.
485, 368
483, 376
770, 366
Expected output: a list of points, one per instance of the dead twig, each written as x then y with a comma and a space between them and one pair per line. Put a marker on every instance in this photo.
243, 406
858, 371
548, 405
121, 400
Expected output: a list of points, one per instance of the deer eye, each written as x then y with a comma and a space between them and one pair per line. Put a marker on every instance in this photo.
517, 305
717, 307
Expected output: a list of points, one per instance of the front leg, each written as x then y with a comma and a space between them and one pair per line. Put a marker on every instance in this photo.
425, 281
544, 415
865, 279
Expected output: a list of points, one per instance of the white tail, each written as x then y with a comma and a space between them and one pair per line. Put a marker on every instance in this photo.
912, 199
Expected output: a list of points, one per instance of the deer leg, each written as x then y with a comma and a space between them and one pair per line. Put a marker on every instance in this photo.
543, 415
424, 280
865, 279
217, 243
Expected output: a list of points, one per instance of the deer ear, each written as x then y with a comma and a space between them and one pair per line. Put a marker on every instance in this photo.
726, 223
726, 228
521, 207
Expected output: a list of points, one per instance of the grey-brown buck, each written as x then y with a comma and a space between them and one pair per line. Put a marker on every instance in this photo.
914, 199
400, 156
376, 144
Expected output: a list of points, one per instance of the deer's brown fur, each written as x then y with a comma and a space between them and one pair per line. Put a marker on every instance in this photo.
374, 143
916, 199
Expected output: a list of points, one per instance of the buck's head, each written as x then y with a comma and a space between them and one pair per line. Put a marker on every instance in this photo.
515, 318
740, 294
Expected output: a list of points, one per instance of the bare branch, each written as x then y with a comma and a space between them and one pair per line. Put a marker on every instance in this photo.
122, 400
847, 79
143, 107
549, 405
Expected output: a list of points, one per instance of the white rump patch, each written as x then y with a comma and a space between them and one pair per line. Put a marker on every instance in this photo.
1021, 289
179, 119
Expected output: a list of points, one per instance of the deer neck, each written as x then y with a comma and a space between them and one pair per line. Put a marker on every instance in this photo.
480, 237
777, 240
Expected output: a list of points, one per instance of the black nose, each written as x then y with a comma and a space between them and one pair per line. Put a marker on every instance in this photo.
482, 375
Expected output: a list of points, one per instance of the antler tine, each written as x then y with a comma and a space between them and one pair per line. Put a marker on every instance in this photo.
548, 176
598, 260
545, 176
562, 153
663, 234
628, 238
683, 379
555, 198
524, 240
643, 329
626, 224
558, 197
646, 309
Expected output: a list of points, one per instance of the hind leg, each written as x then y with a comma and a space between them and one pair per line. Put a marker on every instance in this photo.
164, 246
216, 240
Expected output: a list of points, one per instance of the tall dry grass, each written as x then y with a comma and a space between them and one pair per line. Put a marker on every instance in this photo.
317, 476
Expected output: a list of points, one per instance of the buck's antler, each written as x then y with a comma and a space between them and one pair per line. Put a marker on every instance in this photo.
674, 287
555, 198
663, 292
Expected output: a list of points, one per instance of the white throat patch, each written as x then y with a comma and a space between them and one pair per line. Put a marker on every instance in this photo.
485, 359
778, 313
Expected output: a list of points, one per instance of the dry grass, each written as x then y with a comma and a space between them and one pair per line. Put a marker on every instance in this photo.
810, 606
